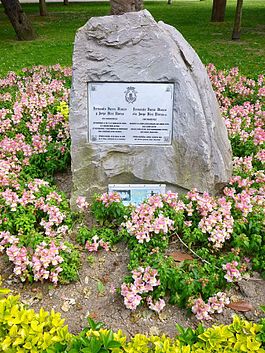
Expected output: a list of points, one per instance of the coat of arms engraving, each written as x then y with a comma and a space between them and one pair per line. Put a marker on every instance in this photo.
130, 94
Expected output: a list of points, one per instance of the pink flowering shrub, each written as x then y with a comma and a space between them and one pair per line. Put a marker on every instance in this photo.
81, 203
46, 261
96, 244
33, 219
246, 192
96, 238
34, 143
35, 132
37, 208
109, 210
215, 304
149, 219
108, 198
215, 217
42, 263
221, 230
144, 281
156, 306
231, 88
233, 273
242, 103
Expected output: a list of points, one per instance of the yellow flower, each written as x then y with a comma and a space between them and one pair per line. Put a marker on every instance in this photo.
63, 108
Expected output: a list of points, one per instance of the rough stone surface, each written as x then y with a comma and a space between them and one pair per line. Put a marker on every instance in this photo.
134, 48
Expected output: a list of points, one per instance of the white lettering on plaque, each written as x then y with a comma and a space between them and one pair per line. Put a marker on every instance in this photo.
130, 113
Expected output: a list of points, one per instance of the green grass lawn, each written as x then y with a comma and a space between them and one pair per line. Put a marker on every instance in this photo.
212, 41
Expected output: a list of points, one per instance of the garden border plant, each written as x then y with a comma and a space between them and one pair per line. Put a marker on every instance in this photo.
34, 143
23, 330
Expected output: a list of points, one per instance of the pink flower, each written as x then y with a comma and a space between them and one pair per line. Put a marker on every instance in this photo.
215, 304
143, 223
81, 203
201, 310
91, 247
11, 198
216, 219
131, 298
97, 244
144, 281
46, 261
108, 198
158, 306
218, 302
232, 272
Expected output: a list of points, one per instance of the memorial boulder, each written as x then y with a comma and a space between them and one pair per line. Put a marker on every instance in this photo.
143, 110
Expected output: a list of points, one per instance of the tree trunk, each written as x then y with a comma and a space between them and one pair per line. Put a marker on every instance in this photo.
169, 2
19, 20
237, 23
65, 2
218, 10
118, 7
43, 8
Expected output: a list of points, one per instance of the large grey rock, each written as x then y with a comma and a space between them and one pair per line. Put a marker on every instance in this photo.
135, 48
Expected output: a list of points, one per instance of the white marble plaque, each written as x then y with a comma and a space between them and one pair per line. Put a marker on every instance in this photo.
130, 113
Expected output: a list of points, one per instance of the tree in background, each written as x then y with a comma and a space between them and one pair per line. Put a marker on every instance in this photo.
218, 10
119, 7
43, 8
19, 20
237, 23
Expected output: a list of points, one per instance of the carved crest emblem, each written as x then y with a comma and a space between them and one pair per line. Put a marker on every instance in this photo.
130, 94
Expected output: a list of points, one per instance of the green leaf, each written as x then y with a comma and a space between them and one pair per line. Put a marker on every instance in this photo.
180, 329
91, 323
114, 344
100, 287
95, 345
107, 338
87, 350
74, 350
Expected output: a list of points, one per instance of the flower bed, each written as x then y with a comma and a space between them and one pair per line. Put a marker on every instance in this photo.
35, 218
222, 237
